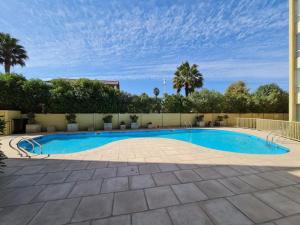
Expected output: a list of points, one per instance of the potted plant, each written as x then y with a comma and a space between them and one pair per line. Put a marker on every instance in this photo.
225, 117
2, 126
71, 122
220, 120
107, 122
122, 125
32, 126
200, 121
149, 125
134, 119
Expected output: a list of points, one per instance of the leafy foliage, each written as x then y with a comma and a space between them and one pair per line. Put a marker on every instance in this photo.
2, 126
71, 117
187, 77
31, 118
89, 96
107, 119
207, 101
134, 118
11, 52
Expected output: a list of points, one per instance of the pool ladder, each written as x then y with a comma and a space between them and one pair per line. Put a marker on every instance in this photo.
270, 138
188, 124
32, 142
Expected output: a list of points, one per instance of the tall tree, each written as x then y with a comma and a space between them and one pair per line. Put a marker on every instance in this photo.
156, 92
237, 98
270, 98
187, 77
11, 52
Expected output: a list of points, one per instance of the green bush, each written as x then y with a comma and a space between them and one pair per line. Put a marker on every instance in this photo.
71, 117
2, 126
134, 118
199, 118
107, 119
90, 96
31, 118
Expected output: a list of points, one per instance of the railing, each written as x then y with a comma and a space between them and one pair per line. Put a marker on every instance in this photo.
32, 142
277, 127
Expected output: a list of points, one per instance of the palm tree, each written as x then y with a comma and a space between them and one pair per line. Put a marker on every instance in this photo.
188, 77
11, 53
156, 92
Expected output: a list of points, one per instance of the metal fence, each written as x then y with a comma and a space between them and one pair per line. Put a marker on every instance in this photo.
277, 127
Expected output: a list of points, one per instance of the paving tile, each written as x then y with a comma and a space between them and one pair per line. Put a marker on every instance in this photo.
213, 189
166, 167
255, 209
291, 220
29, 170
152, 217
289, 175
223, 213
85, 188
187, 166
129, 202
166, 178
80, 223
19, 215
244, 169
77, 166
159, 197
94, 207
290, 192
186, 176
188, 192
54, 192
80, 175
141, 181
208, 173
128, 171
148, 169
56, 212
258, 182
105, 173
277, 178
7, 171
226, 171
17, 196
5, 180
117, 164
97, 165
54, 168
52, 178
25, 180
236, 185
190, 214
116, 220
279, 202
114, 184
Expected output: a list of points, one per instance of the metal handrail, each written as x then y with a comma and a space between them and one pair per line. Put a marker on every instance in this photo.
40, 146
32, 142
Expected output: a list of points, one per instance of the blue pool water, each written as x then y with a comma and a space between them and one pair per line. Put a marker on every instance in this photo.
214, 139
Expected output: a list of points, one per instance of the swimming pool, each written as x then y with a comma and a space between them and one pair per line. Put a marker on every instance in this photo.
215, 139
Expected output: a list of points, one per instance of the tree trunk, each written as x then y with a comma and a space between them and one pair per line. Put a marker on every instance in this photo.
7, 67
186, 90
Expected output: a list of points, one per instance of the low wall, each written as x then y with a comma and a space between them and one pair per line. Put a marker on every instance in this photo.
95, 120
8, 116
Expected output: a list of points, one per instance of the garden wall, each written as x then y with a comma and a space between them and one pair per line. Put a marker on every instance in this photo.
94, 120
158, 119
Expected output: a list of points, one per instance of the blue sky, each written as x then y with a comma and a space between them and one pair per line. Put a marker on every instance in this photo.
142, 42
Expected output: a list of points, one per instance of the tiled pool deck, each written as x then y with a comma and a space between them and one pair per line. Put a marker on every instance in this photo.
152, 182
